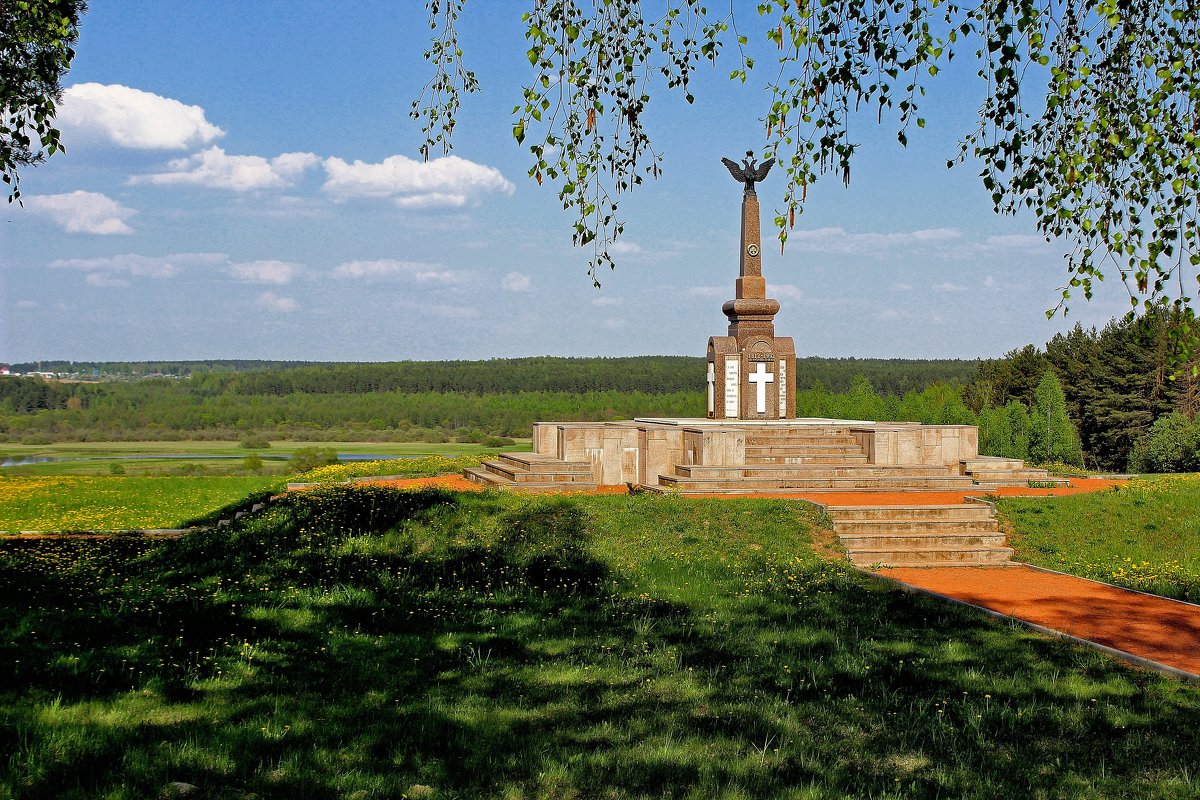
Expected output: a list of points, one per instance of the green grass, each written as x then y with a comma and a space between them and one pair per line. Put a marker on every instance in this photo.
103, 455
1144, 535
53, 503
362, 642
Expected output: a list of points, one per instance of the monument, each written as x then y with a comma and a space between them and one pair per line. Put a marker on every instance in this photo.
751, 371
750, 439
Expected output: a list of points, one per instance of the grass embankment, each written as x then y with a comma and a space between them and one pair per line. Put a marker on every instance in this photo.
362, 642
1145, 535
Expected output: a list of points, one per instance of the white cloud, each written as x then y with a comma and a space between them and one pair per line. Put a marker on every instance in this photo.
948, 287
132, 118
1016, 241
902, 287
449, 181
83, 212
708, 291
624, 248
784, 291
606, 301
104, 279
517, 282
384, 269
141, 266
274, 272
215, 169
276, 303
840, 241
25, 305
989, 282
614, 324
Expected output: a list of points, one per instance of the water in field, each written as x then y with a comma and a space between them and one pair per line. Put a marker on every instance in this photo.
24, 461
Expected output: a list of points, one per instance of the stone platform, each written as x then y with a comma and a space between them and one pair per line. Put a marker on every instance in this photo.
704, 456
731, 457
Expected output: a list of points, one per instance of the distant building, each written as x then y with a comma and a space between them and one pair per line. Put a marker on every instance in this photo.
5, 369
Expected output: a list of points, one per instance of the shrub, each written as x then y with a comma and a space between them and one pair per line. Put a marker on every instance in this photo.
37, 438
253, 462
307, 458
255, 442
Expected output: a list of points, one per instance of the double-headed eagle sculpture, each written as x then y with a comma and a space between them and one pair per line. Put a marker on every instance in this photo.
748, 173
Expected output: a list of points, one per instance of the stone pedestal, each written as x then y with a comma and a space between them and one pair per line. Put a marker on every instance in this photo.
751, 371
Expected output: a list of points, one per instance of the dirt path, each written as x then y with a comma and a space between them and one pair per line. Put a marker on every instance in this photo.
1154, 628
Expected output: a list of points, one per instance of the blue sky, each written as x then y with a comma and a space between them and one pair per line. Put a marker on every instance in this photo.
241, 181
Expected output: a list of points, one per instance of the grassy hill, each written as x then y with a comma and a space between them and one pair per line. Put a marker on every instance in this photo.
369, 643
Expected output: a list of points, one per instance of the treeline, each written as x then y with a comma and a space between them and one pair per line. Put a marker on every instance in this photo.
655, 374
376, 416
1117, 381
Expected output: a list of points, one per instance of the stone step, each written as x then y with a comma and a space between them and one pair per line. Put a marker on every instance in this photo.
935, 526
991, 462
805, 450
959, 512
485, 478
534, 462
1018, 477
518, 475
811, 471
930, 557
902, 541
747, 485
759, 440
812, 458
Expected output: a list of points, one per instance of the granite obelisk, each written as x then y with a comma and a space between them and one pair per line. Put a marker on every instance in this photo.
751, 371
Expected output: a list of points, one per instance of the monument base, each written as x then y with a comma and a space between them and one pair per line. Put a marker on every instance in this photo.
706, 456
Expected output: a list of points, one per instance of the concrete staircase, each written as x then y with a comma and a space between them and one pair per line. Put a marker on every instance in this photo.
823, 459
920, 535
1008, 472
531, 472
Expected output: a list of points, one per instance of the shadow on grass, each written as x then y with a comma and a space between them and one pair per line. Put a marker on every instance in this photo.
370, 643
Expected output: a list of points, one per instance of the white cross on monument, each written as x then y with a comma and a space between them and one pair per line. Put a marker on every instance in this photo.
712, 387
760, 378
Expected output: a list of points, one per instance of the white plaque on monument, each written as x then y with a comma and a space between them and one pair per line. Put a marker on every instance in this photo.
782, 387
712, 387
732, 379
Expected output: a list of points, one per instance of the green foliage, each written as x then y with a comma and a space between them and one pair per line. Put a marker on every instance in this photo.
255, 442
116, 469
371, 643
309, 458
253, 462
1052, 437
1145, 535
1172, 445
37, 39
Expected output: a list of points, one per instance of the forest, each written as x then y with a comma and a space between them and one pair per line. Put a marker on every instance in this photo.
1108, 399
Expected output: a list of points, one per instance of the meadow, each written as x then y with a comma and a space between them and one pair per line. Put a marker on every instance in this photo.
364, 642
1144, 535
72, 502
77, 502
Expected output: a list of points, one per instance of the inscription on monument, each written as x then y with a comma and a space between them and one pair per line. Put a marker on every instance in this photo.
783, 388
732, 379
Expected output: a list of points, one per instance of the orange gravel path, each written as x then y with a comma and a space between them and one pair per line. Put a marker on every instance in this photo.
1154, 628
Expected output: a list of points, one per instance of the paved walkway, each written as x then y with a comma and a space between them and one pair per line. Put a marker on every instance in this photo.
1146, 626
